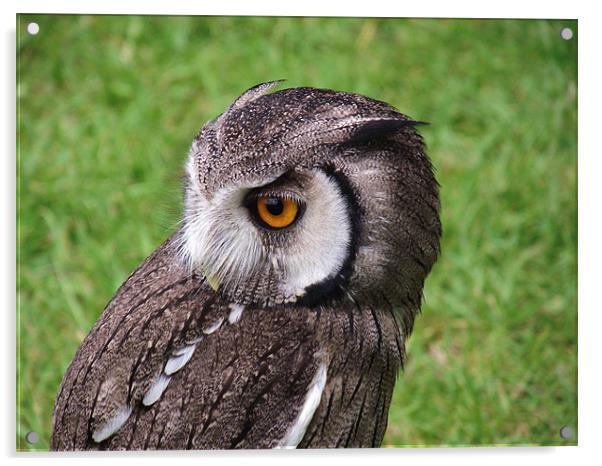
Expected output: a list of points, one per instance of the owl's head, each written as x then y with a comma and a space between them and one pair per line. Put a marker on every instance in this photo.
306, 196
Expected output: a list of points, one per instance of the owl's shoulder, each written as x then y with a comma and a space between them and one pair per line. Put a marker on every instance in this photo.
156, 314
170, 355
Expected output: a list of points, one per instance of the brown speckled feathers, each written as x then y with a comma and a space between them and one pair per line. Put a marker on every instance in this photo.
245, 382
234, 334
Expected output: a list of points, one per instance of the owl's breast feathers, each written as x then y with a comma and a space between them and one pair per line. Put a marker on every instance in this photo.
170, 365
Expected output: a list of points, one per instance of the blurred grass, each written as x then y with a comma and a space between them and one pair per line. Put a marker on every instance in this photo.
107, 107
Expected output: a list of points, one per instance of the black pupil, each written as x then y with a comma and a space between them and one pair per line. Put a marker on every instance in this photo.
274, 205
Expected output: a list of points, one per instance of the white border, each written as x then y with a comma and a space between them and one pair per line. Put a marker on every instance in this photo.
423, 8
590, 232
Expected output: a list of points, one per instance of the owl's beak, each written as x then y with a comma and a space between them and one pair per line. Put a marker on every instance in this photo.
212, 280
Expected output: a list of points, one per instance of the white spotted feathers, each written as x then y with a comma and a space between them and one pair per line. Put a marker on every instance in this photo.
311, 403
175, 362
112, 425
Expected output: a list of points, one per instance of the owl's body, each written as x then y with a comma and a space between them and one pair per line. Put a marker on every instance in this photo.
277, 315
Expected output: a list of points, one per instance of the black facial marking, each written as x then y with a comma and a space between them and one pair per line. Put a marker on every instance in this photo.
333, 286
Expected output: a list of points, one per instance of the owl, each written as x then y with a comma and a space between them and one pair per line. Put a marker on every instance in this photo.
276, 315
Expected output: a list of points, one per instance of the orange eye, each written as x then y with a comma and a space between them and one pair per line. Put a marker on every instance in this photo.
277, 212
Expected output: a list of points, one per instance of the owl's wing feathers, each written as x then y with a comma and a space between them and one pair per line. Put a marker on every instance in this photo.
170, 365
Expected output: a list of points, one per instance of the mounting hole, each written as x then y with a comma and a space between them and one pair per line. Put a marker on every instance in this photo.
566, 432
33, 28
566, 33
32, 437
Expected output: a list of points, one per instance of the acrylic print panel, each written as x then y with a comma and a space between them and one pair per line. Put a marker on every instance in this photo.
278, 313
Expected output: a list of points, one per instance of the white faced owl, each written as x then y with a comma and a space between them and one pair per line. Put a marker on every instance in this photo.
277, 314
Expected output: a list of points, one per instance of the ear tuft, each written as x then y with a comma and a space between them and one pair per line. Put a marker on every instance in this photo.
253, 93
374, 127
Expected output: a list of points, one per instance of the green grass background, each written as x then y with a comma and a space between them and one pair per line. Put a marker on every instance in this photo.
107, 107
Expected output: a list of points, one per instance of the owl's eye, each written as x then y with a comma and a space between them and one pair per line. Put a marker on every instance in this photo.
277, 212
